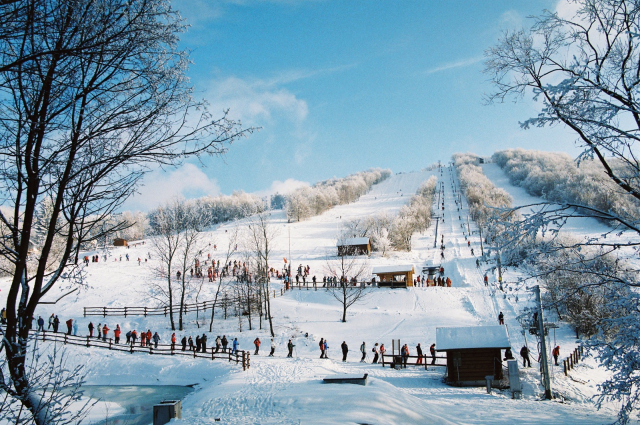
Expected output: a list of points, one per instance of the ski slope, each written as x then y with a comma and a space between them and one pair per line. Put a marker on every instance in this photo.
286, 391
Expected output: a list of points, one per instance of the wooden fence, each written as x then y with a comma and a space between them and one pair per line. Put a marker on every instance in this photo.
425, 360
240, 356
573, 359
164, 310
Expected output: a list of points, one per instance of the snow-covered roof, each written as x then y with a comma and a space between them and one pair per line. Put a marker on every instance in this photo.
402, 268
472, 337
353, 241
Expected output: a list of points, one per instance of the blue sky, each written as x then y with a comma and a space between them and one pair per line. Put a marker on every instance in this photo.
342, 86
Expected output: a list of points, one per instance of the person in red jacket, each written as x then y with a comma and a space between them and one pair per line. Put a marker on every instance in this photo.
556, 354
143, 338
149, 337
105, 330
116, 334
173, 341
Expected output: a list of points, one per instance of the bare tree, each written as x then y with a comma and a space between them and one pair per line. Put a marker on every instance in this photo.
94, 95
232, 247
58, 385
260, 236
347, 270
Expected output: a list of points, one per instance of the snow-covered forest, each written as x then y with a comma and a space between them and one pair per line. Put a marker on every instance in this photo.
556, 177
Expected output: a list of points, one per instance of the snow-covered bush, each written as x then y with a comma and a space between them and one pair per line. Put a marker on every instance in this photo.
307, 202
556, 177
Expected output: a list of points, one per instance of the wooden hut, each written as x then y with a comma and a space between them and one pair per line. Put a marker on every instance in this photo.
395, 276
354, 246
473, 353
120, 242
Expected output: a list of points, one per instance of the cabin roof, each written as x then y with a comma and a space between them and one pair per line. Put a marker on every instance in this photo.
353, 242
472, 337
403, 268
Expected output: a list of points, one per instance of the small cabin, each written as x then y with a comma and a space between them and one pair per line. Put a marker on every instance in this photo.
395, 276
354, 246
473, 353
120, 242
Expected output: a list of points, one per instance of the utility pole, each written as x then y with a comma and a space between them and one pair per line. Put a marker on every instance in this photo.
543, 345
481, 248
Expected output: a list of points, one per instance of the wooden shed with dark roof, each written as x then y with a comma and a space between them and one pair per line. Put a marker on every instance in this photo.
398, 276
473, 353
354, 246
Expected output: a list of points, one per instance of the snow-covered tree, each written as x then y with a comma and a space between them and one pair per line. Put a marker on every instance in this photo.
583, 69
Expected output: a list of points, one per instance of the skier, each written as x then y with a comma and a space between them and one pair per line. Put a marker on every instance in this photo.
224, 343
382, 351
56, 323
116, 334
128, 335
256, 342
148, 337
524, 352
556, 354
184, 343
173, 341
486, 280
290, 347
419, 353
432, 350
235, 346
508, 355
143, 338
218, 344
404, 352
203, 343
501, 318
198, 343
156, 339
105, 331
273, 348
321, 345
40, 324
191, 346
134, 336
326, 348
375, 353
69, 326
363, 350
345, 351
51, 321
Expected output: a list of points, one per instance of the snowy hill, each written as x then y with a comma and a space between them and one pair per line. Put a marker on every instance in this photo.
282, 390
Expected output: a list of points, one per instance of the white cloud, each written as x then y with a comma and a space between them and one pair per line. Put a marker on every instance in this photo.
188, 181
451, 65
511, 19
257, 100
283, 187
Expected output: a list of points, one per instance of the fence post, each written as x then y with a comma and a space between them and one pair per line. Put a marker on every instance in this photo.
145, 312
104, 311
110, 339
88, 344
84, 309
564, 363
244, 365
65, 339
382, 359
125, 312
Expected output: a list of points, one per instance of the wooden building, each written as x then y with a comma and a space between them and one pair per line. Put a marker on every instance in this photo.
354, 246
473, 353
120, 242
395, 276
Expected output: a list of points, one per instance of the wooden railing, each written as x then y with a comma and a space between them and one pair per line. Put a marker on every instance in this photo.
573, 359
426, 360
164, 310
240, 356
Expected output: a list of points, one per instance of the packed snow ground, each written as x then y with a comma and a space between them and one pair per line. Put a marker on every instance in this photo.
281, 390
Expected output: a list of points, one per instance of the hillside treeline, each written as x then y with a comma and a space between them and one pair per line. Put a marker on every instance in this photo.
307, 202
556, 177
